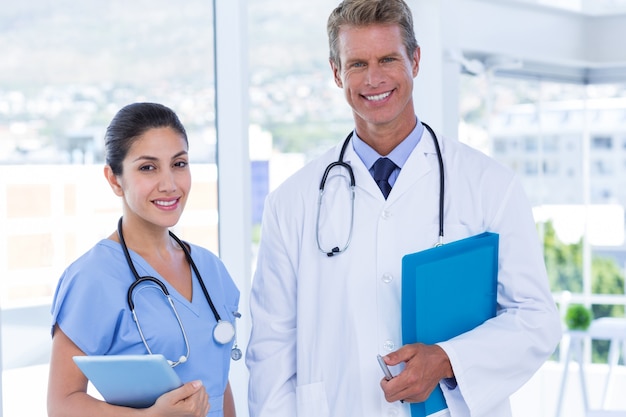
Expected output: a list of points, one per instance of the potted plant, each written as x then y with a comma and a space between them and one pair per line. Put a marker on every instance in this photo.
578, 317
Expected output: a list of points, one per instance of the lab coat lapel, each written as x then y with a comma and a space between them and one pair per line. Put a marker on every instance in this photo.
362, 176
421, 162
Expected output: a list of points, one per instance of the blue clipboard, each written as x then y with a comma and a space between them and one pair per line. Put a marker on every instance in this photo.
129, 380
446, 291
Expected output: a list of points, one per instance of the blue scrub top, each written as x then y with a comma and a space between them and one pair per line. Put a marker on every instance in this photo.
90, 306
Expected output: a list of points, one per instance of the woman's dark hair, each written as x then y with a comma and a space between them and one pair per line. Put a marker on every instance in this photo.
130, 123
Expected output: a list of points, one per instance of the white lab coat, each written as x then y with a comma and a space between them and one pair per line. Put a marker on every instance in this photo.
319, 321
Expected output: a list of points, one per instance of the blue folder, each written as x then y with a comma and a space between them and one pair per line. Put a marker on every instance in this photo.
446, 291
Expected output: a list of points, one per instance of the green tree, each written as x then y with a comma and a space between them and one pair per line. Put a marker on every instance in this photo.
563, 262
607, 278
564, 266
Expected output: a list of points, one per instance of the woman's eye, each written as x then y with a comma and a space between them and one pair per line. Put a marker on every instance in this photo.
146, 168
181, 164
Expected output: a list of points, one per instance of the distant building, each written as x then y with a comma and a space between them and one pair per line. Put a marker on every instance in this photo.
548, 150
569, 153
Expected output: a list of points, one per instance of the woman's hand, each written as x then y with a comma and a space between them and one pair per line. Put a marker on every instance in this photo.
190, 400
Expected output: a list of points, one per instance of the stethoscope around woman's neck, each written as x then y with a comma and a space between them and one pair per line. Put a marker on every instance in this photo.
341, 163
223, 331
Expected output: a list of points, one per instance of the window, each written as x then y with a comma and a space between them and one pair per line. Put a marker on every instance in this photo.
531, 144
590, 182
500, 146
550, 167
531, 168
296, 110
67, 68
601, 167
602, 142
551, 144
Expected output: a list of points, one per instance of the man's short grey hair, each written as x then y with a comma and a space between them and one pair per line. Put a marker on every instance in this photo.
368, 12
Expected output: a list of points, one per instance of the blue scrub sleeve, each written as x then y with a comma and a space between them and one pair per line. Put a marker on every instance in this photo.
89, 304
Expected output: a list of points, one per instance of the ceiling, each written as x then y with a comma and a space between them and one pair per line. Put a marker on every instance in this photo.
574, 41
584, 7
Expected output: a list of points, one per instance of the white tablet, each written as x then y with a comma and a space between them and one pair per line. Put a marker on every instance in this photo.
129, 380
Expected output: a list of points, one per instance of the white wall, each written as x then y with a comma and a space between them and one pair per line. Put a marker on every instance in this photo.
604, 40
549, 42
518, 30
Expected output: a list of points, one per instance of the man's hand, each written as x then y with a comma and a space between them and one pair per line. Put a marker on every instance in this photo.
425, 366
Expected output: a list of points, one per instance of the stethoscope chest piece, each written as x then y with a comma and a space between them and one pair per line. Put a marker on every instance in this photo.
223, 332
236, 354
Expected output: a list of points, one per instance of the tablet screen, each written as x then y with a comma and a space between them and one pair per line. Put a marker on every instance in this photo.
129, 380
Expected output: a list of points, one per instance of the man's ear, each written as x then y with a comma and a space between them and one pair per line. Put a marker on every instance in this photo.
336, 74
416, 61
113, 181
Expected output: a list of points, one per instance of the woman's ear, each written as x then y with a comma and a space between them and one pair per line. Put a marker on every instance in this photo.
113, 181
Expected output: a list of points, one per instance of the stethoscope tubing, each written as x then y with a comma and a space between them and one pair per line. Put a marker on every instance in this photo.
139, 279
441, 181
223, 331
180, 325
341, 163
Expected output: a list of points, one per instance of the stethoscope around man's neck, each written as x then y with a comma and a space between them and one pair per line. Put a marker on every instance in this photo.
341, 163
223, 331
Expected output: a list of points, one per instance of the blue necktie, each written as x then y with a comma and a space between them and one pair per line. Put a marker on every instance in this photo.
383, 168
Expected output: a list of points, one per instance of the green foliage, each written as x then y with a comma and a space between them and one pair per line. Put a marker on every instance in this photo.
607, 278
256, 234
563, 262
578, 317
565, 272
299, 137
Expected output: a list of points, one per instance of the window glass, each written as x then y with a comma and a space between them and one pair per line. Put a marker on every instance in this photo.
67, 67
567, 161
296, 110
601, 142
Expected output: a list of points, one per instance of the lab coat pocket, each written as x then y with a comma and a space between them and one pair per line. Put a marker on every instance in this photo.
454, 232
312, 400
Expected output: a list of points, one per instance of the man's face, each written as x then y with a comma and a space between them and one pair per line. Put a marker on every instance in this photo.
376, 74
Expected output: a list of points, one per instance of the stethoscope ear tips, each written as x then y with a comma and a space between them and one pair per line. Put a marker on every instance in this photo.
333, 251
182, 359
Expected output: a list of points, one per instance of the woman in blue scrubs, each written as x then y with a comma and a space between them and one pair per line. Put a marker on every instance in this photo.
147, 166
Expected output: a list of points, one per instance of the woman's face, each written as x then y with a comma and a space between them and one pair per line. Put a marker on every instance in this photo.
156, 178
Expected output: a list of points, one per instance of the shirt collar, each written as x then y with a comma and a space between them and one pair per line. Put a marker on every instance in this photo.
398, 155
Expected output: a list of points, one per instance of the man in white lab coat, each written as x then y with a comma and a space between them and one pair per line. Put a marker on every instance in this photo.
326, 295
